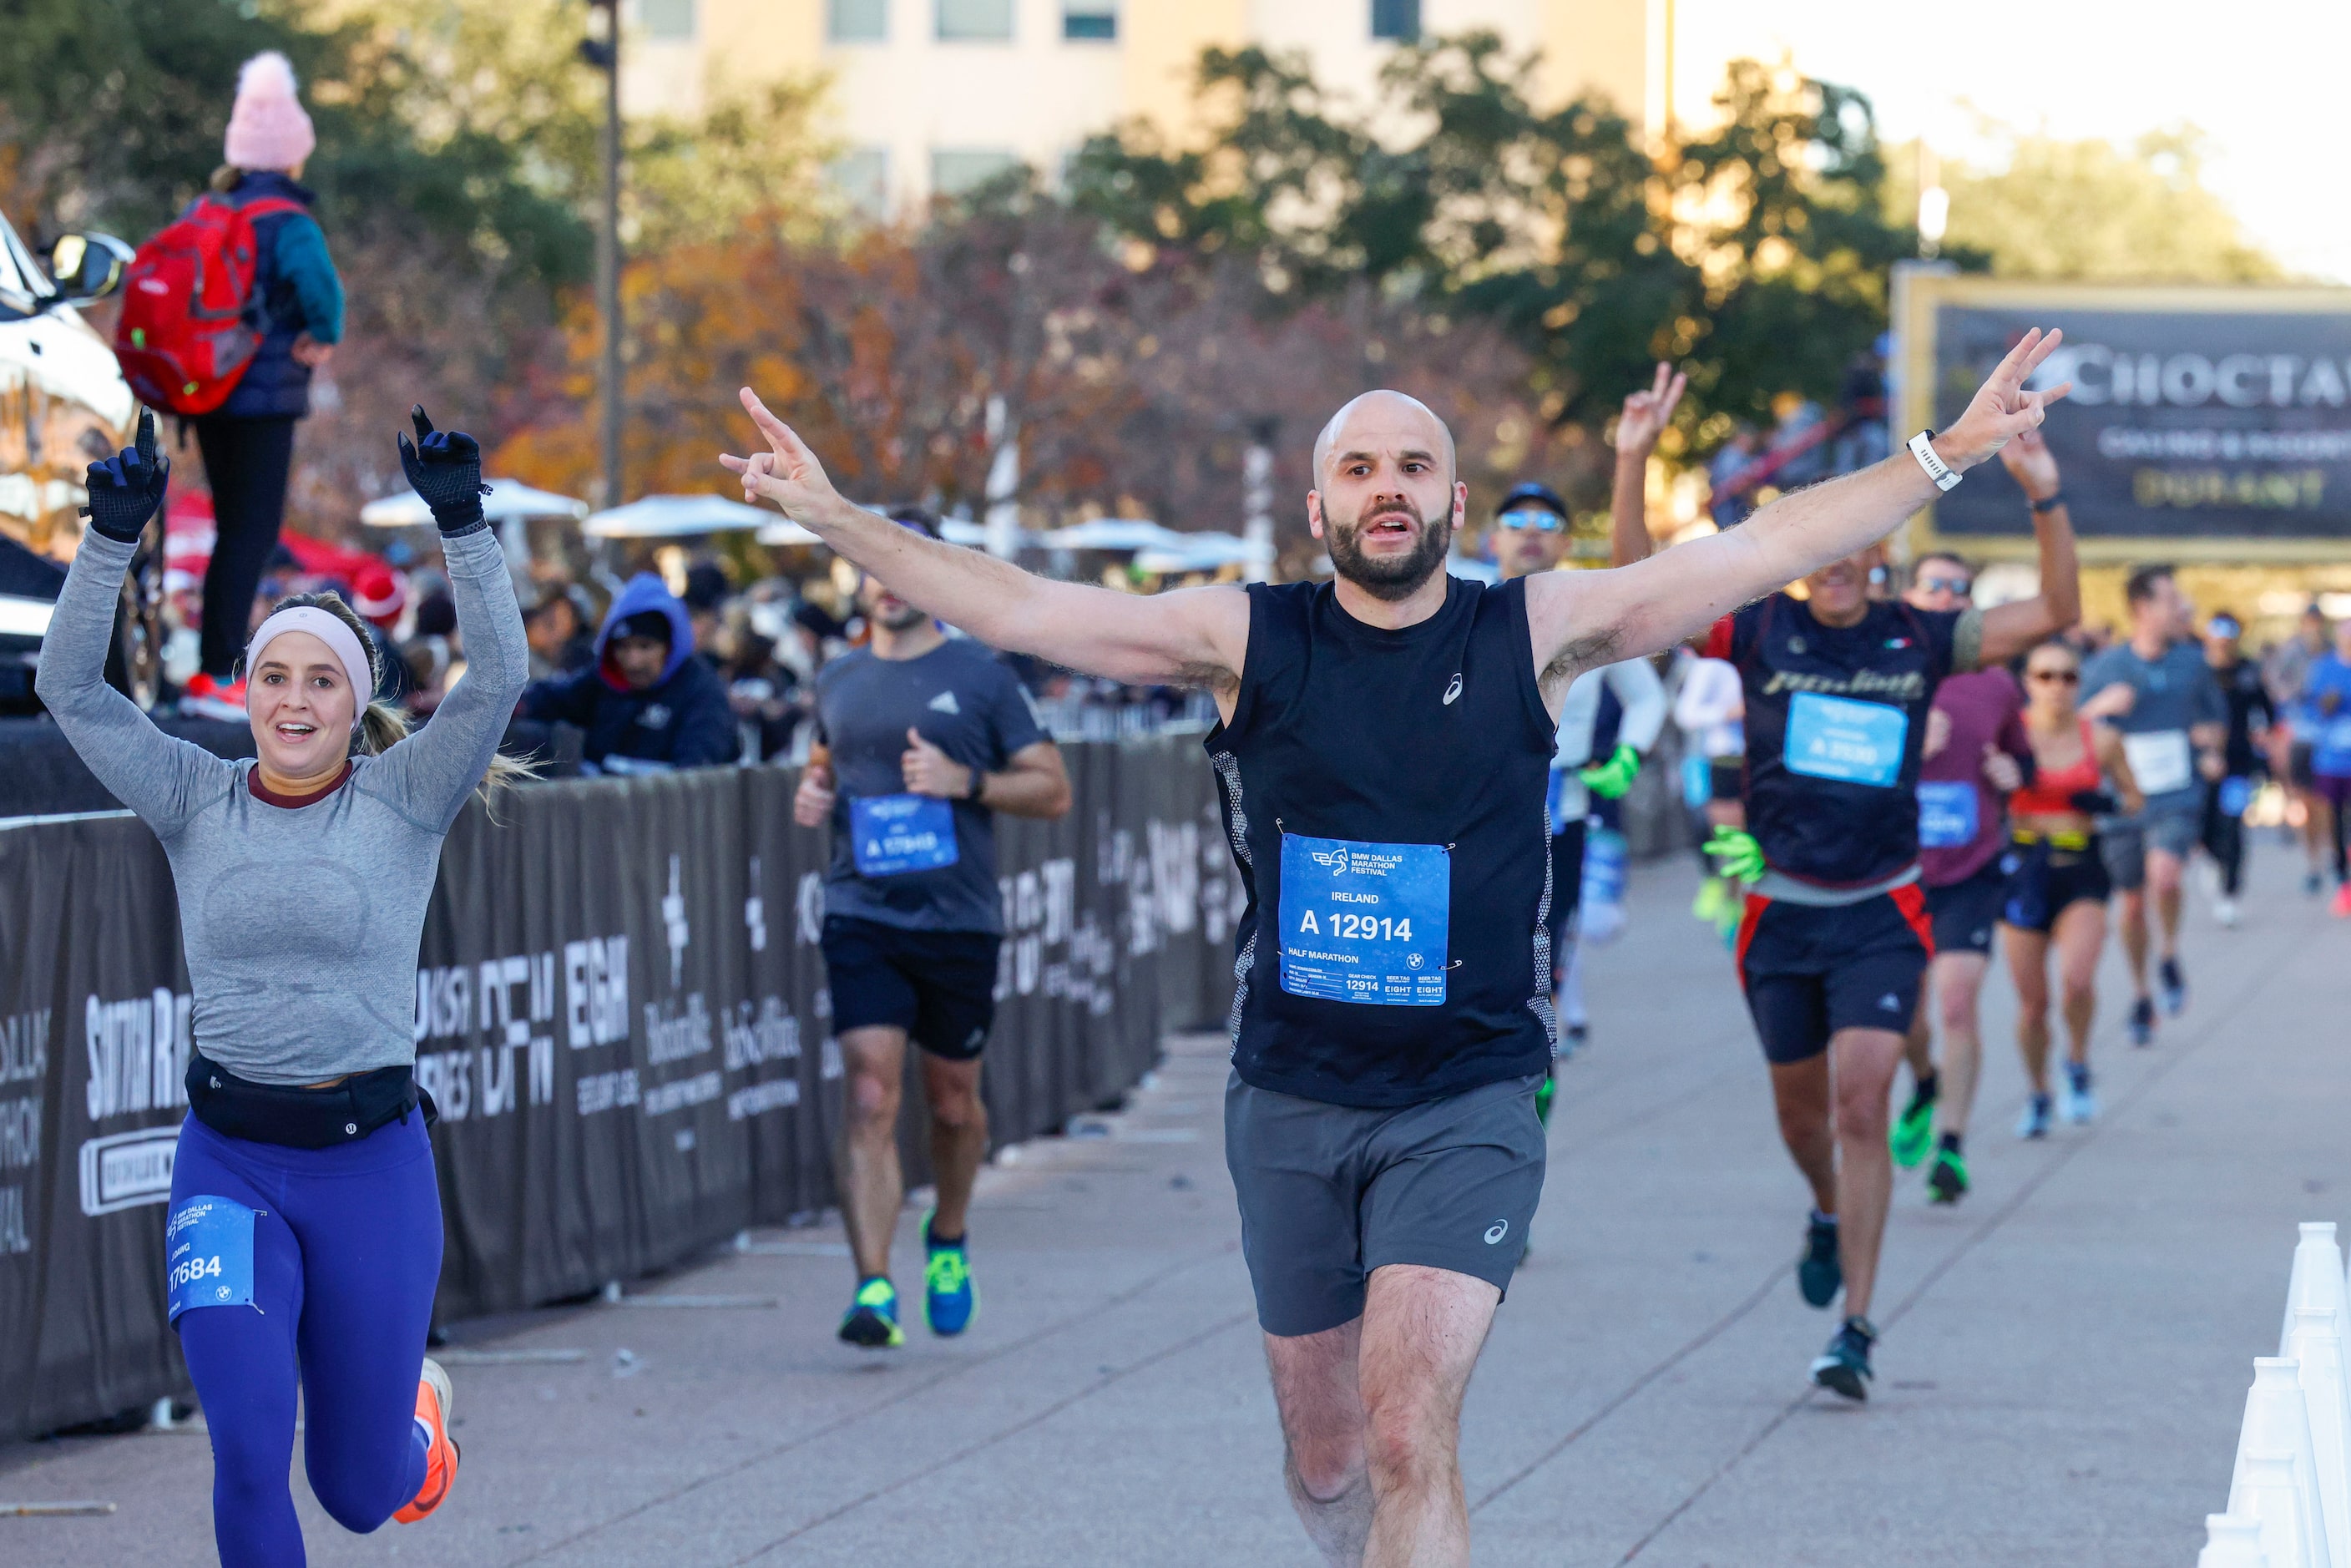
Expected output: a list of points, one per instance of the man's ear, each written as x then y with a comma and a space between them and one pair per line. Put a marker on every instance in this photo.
1314, 513
1460, 504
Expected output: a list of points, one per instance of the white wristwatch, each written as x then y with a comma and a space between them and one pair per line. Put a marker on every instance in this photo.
1922, 447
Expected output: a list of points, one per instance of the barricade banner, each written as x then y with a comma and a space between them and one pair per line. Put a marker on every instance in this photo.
620, 1013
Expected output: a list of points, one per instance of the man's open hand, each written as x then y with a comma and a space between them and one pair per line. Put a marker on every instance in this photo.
2002, 409
1646, 414
787, 474
930, 771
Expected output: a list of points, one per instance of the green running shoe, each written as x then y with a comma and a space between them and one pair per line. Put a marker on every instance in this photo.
872, 1320
1914, 1130
1947, 1178
950, 1301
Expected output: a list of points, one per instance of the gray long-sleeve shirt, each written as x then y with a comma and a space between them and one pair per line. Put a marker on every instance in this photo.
301, 925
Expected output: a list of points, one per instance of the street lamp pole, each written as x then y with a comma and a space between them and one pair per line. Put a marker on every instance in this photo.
604, 54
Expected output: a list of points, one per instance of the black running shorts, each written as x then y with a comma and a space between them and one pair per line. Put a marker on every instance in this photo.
937, 986
1329, 1193
2044, 880
1813, 970
1965, 912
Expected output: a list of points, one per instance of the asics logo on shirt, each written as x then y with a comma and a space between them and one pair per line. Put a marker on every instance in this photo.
1889, 1003
944, 703
1453, 691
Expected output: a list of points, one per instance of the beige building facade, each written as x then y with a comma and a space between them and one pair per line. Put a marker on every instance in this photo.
935, 95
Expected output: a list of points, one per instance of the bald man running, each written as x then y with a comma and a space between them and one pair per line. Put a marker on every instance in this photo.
1384, 752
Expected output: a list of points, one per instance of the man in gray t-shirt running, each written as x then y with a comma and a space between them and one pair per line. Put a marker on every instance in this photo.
2158, 691
922, 738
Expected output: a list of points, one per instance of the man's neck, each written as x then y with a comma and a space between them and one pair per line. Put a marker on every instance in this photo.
2149, 644
1393, 614
909, 642
1841, 619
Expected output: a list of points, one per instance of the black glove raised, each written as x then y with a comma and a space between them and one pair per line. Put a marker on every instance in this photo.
125, 489
445, 468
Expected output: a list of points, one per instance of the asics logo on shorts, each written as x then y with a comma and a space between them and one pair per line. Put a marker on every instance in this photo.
1496, 1232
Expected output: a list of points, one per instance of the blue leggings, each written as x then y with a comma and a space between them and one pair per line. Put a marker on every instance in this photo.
346, 1258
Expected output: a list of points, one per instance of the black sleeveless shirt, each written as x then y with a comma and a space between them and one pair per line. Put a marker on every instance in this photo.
1384, 792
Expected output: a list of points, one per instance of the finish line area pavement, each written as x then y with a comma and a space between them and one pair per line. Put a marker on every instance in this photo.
2059, 1381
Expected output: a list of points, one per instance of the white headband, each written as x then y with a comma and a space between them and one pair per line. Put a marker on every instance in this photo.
338, 637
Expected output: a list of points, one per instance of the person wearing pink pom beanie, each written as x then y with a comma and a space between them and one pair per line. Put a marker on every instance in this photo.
248, 441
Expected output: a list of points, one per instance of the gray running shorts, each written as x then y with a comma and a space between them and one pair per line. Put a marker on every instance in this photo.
1329, 1193
2171, 829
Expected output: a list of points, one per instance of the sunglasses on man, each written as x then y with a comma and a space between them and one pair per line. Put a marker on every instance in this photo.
1956, 587
1535, 518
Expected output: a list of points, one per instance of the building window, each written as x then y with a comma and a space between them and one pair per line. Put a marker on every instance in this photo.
857, 21
976, 21
1397, 20
1090, 21
861, 175
667, 21
956, 170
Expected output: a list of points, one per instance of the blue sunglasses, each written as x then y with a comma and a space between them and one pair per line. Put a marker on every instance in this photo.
1536, 518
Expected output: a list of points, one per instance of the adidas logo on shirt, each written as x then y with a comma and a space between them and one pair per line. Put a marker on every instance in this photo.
944, 703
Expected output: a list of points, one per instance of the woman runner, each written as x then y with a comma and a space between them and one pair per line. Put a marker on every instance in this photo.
2057, 885
304, 1242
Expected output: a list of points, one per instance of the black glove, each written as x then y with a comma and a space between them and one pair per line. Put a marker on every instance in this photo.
126, 489
445, 468
2093, 802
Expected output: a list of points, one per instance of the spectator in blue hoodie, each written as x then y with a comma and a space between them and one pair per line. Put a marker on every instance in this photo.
647, 703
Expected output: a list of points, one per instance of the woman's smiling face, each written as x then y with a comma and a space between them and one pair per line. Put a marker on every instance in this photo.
300, 704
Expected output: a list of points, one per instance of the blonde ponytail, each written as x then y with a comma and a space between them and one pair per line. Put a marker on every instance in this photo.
382, 727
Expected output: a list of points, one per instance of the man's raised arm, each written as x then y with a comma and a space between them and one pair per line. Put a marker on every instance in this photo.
1582, 619
1195, 636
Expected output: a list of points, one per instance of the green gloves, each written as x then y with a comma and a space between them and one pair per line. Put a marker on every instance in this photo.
1610, 780
1735, 855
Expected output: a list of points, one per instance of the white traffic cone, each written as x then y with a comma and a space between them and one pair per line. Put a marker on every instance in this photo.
2317, 1280
2317, 1350
2276, 1479
2231, 1541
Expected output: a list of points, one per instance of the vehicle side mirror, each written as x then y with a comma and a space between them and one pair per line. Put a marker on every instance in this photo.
87, 266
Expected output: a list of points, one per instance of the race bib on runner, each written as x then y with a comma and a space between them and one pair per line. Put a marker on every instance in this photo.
2159, 760
1947, 814
1853, 742
890, 835
1365, 923
208, 1255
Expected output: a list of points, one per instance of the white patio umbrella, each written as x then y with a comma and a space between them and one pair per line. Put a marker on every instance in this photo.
507, 500
677, 517
1203, 552
1114, 534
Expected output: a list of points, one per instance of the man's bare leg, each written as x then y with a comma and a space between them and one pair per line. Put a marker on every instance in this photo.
1316, 1390
1861, 1065
958, 1139
1800, 1094
1423, 1329
872, 1188
1957, 985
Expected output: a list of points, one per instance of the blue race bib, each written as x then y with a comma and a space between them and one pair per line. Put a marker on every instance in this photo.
1853, 742
1947, 814
890, 835
1365, 923
208, 1255
1698, 781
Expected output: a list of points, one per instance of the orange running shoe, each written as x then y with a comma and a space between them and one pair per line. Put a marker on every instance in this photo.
434, 1401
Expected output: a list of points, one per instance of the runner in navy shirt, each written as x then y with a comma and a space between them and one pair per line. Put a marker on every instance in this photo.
1384, 755
924, 738
1836, 936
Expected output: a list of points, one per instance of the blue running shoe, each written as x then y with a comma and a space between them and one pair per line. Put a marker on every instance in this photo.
2076, 1102
871, 1320
949, 1299
1843, 1367
1820, 1272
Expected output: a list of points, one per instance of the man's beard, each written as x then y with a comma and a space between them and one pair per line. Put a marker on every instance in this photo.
1392, 578
905, 618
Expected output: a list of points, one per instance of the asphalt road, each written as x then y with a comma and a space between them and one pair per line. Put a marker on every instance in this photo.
2061, 1371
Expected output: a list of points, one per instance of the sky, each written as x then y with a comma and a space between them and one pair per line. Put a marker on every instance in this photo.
2263, 80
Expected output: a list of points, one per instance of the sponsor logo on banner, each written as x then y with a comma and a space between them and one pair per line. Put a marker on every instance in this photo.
127, 1169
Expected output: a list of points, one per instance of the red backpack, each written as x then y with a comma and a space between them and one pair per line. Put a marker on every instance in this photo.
183, 337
